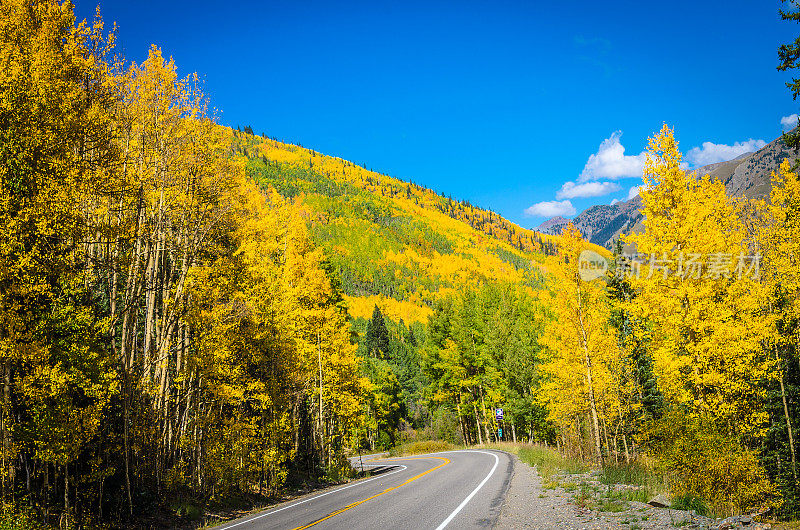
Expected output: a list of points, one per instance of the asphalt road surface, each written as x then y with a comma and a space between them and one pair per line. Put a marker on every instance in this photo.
452, 489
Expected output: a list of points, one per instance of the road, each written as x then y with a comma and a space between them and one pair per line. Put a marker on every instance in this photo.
453, 489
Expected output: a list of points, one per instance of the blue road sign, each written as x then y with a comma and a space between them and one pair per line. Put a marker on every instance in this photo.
498, 414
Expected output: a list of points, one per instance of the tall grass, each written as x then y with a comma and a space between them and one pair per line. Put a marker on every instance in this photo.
550, 462
421, 447
649, 480
646, 479
547, 461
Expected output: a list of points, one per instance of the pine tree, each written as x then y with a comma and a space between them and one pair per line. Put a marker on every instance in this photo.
377, 337
638, 356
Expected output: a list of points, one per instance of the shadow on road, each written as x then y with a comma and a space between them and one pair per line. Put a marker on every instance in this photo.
370, 470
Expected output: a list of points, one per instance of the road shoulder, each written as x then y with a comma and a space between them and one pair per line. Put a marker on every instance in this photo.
530, 505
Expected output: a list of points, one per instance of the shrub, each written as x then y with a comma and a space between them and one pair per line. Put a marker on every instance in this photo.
690, 502
14, 517
416, 448
702, 462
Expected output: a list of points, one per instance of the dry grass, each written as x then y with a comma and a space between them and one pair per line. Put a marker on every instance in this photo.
427, 446
548, 461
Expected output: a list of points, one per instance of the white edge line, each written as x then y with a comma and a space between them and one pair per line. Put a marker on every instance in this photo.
465, 501
317, 497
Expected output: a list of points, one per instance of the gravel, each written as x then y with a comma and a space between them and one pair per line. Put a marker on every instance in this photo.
529, 505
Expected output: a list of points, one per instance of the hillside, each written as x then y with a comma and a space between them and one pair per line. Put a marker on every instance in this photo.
392, 242
748, 176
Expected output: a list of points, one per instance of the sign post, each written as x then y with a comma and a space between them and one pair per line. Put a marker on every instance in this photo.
498, 416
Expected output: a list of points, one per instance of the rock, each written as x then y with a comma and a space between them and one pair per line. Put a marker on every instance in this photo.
745, 519
730, 522
659, 501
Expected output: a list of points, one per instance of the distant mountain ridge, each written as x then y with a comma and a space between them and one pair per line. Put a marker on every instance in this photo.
749, 176
553, 226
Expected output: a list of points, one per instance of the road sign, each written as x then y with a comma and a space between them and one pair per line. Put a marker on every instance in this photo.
499, 433
498, 414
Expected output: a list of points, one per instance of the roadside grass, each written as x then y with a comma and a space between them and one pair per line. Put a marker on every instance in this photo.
548, 461
647, 482
604, 499
640, 481
416, 448
690, 502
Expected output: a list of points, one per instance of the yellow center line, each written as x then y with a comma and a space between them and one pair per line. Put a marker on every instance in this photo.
412, 479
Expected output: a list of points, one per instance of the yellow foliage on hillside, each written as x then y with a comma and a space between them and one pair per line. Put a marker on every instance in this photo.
362, 306
398, 241
410, 197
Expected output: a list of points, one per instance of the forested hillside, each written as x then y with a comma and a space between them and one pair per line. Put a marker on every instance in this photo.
391, 242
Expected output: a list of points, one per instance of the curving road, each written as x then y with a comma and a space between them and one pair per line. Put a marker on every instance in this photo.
453, 489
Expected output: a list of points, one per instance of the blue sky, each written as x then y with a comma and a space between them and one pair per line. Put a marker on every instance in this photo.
510, 105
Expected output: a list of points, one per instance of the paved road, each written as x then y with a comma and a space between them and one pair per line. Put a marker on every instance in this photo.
453, 489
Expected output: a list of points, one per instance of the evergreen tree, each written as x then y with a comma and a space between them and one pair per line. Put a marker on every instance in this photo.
639, 361
377, 337
788, 56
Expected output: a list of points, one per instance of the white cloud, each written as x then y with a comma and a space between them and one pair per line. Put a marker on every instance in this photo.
570, 190
711, 153
550, 209
611, 163
633, 192
614, 201
789, 122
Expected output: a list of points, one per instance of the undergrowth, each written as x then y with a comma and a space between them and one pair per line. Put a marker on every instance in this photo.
548, 461
17, 518
416, 448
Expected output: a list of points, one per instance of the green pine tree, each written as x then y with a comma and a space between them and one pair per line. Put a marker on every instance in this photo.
377, 337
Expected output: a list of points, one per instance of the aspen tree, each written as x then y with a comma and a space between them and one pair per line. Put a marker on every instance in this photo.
710, 321
579, 341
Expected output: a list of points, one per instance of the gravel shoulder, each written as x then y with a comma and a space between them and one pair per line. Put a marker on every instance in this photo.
571, 502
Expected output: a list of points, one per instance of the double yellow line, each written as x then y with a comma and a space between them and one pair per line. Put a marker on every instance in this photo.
445, 461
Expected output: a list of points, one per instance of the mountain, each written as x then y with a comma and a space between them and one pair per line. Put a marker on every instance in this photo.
553, 226
395, 243
749, 176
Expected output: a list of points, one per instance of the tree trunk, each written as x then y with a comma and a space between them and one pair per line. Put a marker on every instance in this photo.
66, 496
485, 421
461, 421
588, 361
8, 467
321, 426
625, 443
788, 428
477, 423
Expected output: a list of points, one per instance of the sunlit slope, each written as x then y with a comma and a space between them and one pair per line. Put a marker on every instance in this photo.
395, 243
